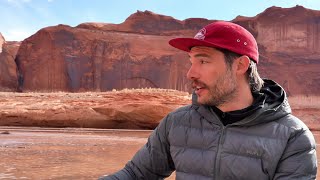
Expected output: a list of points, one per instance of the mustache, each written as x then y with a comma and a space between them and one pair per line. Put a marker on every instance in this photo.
196, 83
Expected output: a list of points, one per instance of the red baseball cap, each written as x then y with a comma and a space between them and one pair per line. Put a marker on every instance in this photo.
221, 34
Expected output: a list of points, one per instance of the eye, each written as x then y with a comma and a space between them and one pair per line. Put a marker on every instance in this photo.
203, 62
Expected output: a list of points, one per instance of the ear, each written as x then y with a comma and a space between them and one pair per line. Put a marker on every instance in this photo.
242, 64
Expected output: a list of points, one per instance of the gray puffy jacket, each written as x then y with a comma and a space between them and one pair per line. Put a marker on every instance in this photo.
269, 144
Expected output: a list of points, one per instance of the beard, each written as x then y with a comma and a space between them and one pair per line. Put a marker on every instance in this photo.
224, 90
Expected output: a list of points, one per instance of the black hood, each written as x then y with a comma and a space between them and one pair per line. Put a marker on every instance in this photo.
273, 92
275, 105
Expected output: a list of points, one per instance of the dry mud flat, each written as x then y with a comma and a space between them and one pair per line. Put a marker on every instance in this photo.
69, 153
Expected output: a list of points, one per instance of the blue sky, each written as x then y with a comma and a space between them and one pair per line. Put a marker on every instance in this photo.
22, 18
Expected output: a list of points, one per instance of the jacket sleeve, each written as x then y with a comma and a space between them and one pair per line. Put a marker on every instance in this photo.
152, 161
299, 159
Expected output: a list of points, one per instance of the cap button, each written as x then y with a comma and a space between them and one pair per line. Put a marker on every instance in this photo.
238, 40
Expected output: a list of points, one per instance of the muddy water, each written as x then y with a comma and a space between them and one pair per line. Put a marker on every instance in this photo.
39, 153
33, 153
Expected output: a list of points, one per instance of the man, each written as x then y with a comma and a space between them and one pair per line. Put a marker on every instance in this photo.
238, 126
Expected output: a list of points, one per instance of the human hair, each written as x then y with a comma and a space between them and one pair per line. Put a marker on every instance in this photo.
254, 79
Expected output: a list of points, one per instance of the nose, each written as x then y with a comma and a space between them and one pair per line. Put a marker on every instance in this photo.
193, 73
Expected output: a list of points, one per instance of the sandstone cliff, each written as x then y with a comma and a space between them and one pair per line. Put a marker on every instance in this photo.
8, 67
135, 53
130, 109
150, 23
2, 41
289, 43
63, 58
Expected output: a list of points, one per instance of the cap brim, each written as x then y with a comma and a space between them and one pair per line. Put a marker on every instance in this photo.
185, 44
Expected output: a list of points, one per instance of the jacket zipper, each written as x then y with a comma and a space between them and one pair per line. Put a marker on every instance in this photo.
217, 161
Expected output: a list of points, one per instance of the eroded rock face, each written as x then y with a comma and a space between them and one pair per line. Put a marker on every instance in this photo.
73, 59
129, 109
289, 45
2, 41
137, 109
135, 53
150, 23
8, 67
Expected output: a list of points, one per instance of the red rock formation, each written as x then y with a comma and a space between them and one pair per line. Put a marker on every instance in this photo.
8, 68
63, 58
289, 43
148, 22
2, 41
135, 53
130, 109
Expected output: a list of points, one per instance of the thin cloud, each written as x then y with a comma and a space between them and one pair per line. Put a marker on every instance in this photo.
26, 18
17, 34
18, 3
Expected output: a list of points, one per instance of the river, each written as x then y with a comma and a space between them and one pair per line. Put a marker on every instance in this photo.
68, 153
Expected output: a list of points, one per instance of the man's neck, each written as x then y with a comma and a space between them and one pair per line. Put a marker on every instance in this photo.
242, 100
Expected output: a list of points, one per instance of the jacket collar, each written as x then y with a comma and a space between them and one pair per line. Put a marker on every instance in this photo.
205, 111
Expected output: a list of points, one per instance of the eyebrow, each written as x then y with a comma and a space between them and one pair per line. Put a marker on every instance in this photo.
200, 55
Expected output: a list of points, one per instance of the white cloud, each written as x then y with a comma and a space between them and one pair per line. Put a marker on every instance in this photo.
17, 34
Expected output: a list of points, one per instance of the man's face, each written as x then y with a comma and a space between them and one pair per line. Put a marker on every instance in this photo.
213, 81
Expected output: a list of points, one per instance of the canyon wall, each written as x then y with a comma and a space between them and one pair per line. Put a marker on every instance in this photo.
136, 54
